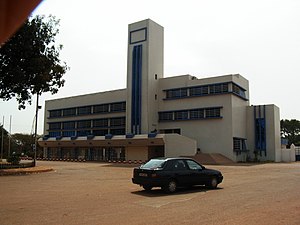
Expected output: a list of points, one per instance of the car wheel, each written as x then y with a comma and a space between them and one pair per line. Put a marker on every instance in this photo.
213, 183
147, 187
170, 187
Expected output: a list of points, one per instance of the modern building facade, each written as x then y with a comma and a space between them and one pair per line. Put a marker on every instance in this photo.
156, 116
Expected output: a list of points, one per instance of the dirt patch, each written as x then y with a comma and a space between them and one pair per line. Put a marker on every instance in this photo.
95, 193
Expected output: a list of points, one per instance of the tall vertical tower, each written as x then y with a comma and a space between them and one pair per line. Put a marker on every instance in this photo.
144, 68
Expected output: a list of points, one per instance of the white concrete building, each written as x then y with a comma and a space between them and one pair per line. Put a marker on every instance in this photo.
157, 116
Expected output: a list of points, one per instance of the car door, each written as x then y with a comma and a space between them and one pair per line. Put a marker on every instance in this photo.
197, 174
180, 172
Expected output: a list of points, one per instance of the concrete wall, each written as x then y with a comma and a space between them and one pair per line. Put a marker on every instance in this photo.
136, 153
178, 145
288, 155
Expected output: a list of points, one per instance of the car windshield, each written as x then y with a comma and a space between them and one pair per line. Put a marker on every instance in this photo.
153, 164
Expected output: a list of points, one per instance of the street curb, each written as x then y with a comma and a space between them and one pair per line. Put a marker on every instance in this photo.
23, 171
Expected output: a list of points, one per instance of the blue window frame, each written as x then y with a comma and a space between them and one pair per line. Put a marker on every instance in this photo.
190, 114
199, 91
181, 115
100, 123
81, 133
69, 112
69, 133
118, 107
177, 93
55, 113
117, 122
101, 132
165, 116
213, 113
103, 108
84, 124
55, 126
238, 90
85, 110
196, 114
54, 133
68, 125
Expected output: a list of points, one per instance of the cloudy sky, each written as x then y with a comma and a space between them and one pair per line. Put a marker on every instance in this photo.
259, 39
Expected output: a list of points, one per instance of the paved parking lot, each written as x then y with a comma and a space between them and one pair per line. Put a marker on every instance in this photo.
93, 193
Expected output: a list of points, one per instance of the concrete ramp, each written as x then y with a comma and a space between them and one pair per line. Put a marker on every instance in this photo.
212, 159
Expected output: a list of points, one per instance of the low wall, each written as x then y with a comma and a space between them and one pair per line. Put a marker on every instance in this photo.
288, 154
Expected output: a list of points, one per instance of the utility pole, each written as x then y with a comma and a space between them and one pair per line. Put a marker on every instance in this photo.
9, 136
35, 129
2, 140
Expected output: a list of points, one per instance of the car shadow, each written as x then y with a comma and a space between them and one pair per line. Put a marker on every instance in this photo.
158, 192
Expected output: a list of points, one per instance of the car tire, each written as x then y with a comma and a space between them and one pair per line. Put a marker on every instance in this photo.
170, 187
213, 183
147, 187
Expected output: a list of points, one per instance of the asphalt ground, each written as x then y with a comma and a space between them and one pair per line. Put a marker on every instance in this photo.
97, 193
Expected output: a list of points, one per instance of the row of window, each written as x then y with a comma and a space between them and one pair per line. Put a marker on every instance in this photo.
86, 110
81, 124
191, 114
79, 133
203, 90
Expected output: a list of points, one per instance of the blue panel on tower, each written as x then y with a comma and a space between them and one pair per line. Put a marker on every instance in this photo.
136, 92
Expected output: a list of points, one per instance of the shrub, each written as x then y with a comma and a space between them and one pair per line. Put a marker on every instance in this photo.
14, 159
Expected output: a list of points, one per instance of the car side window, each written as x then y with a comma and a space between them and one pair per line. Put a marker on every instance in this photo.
193, 165
179, 165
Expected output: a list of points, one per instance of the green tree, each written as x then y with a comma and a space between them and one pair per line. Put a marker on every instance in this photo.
290, 129
29, 61
24, 143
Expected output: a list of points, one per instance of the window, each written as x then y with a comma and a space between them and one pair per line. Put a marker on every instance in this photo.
117, 131
100, 132
239, 144
101, 108
84, 124
198, 91
54, 126
178, 165
181, 115
238, 90
68, 133
83, 132
69, 112
212, 113
192, 114
84, 110
177, 93
100, 123
118, 107
197, 114
165, 116
54, 134
117, 122
68, 125
55, 113
193, 165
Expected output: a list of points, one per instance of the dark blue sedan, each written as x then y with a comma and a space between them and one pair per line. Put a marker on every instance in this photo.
170, 173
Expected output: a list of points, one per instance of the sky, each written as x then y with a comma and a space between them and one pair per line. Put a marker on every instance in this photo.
259, 39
